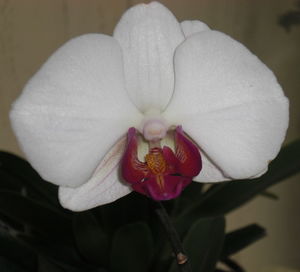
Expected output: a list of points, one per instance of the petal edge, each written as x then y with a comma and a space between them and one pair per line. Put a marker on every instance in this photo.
103, 187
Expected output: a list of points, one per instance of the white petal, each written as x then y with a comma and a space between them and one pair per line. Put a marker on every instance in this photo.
210, 172
214, 71
74, 109
148, 35
229, 102
104, 186
243, 139
192, 27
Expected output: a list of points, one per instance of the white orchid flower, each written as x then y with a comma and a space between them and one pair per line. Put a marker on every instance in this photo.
184, 93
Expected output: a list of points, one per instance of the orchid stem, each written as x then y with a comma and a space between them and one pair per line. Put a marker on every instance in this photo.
180, 256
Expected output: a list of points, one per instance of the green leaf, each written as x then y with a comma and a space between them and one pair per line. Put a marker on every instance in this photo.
44, 265
190, 194
20, 169
233, 265
269, 195
9, 182
203, 243
12, 249
36, 215
92, 242
8, 266
241, 238
48, 265
225, 197
65, 256
132, 248
126, 210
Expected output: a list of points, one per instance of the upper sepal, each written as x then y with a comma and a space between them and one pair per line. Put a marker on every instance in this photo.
149, 35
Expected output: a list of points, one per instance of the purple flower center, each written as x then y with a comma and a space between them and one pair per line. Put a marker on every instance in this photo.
164, 173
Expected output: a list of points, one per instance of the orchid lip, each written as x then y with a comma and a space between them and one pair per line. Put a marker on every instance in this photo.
164, 173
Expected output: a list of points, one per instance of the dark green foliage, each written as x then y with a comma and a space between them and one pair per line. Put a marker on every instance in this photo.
37, 235
16, 252
132, 247
91, 240
204, 242
8, 266
21, 171
35, 215
241, 238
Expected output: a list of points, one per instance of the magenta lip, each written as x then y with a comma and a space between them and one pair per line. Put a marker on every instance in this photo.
173, 190
179, 167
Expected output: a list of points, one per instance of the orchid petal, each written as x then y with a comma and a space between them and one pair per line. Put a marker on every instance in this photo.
188, 155
229, 102
148, 35
210, 172
243, 139
192, 27
74, 109
104, 186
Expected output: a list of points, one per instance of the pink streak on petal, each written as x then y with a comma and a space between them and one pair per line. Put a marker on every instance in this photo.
190, 163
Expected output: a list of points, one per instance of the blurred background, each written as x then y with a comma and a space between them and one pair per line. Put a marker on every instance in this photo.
33, 29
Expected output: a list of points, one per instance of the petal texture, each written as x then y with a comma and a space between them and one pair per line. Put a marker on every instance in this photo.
74, 109
104, 186
241, 140
148, 35
210, 172
192, 27
229, 102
